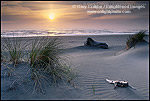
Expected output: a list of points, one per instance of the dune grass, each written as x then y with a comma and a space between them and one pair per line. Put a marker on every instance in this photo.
45, 59
134, 39
15, 47
93, 87
47, 63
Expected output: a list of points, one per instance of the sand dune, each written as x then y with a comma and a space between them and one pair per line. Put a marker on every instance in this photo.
141, 50
94, 65
133, 66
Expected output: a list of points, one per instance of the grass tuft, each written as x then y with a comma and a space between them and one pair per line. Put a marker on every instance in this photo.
134, 39
44, 56
93, 87
47, 63
15, 47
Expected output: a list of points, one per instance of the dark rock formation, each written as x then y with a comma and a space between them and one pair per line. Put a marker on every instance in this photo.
91, 42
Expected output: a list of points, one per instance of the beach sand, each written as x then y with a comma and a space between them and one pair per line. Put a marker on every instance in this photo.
93, 65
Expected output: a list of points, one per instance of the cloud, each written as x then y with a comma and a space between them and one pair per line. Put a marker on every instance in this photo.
36, 11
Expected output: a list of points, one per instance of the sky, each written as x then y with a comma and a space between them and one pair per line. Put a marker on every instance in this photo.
73, 15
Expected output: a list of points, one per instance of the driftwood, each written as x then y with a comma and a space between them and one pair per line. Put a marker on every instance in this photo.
120, 83
91, 42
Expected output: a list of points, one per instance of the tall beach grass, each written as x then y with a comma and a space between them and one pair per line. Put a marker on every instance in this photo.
14, 47
134, 39
47, 64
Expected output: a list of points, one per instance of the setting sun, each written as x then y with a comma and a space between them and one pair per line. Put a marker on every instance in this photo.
51, 16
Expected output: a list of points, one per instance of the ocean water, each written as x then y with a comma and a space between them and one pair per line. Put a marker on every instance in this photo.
62, 32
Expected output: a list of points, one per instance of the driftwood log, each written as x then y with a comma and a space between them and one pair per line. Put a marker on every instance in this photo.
91, 42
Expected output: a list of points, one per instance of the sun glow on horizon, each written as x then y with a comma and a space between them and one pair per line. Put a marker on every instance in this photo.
51, 16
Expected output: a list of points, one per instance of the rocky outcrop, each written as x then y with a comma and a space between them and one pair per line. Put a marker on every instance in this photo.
91, 42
